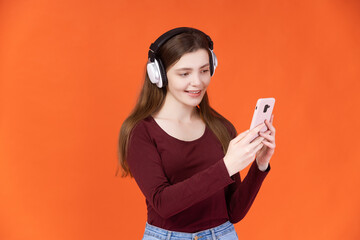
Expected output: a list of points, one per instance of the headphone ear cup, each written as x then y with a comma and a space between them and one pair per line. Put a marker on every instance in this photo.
213, 62
163, 73
154, 73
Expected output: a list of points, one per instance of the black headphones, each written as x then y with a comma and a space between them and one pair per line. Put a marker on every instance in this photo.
155, 68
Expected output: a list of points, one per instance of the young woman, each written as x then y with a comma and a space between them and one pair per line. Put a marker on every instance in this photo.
184, 156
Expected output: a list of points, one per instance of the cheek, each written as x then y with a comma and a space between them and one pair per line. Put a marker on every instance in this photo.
177, 85
207, 81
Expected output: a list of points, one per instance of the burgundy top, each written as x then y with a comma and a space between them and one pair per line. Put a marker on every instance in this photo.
186, 184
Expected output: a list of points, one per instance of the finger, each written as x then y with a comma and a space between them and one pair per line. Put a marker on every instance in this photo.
268, 144
270, 127
240, 136
258, 147
254, 131
272, 118
267, 136
258, 127
266, 132
256, 142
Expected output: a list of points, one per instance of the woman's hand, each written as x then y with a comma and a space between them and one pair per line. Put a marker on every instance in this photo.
241, 152
265, 153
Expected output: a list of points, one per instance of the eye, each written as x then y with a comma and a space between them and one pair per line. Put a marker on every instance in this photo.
205, 70
184, 74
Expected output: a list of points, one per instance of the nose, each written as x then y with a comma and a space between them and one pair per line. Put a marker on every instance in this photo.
196, 80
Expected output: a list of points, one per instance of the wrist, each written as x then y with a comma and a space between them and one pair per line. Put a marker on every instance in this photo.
262, 167
228, 168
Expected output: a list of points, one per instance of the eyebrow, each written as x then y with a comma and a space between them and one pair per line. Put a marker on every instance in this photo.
186, 68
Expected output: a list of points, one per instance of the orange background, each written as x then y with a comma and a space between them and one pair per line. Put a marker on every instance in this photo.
71, 71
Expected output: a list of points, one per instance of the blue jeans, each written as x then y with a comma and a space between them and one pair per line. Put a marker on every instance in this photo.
225, 231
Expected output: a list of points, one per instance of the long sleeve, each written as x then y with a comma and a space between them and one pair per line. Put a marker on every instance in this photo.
241, 194
169, 199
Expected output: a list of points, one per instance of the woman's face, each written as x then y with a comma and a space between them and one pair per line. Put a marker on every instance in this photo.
189, 77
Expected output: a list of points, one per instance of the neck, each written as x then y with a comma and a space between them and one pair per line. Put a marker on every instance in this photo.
174, 110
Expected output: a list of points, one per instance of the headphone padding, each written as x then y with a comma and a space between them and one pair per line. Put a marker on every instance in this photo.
162, 72
213, 62
154, 73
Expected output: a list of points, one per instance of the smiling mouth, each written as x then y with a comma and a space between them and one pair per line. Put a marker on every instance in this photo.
194, 92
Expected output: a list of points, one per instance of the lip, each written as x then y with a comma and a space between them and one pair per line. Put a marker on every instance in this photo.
193, 93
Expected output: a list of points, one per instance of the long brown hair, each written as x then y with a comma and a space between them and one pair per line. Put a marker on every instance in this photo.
152, 98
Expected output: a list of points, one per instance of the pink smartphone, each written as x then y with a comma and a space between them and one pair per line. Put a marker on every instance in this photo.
263, 110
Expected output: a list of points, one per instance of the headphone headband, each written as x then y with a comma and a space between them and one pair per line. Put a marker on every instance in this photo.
155, 46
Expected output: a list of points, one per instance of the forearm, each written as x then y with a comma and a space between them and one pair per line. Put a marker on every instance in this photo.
242, 194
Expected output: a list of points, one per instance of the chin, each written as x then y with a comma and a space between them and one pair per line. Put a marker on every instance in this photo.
194, 103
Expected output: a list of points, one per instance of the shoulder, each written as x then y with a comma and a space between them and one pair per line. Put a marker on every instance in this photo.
143, 134
142, 128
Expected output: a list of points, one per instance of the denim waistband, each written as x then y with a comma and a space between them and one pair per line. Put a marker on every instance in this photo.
212, 233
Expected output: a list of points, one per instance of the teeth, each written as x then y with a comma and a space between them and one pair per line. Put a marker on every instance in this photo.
194, 91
